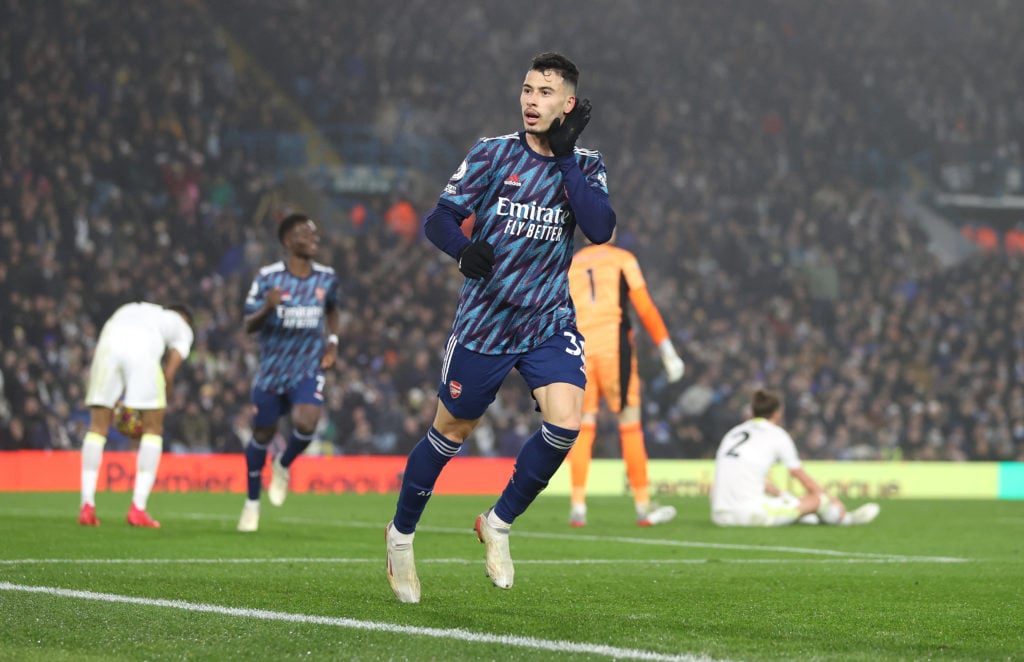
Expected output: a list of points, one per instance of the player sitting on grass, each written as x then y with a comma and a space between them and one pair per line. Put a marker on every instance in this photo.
743, 495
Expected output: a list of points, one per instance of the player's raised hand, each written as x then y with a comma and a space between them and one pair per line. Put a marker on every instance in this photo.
562, 135
476, 260
274, 297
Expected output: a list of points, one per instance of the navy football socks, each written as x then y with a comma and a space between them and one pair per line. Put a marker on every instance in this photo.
537, 462
255, 458
424, 465
297, 442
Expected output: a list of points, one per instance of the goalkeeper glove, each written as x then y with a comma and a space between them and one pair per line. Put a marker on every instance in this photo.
476, 260
563, 134
674, 366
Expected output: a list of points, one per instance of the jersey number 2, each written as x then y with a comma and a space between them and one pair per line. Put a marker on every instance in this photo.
743, 436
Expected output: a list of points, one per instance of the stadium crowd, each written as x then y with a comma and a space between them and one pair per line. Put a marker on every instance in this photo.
752, 148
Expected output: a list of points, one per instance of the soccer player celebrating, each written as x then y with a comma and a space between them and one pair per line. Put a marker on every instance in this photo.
289, 303
132, 345
529, 191
743, 494
603, 280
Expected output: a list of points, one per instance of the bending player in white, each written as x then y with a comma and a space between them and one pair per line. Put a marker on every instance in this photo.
743, 494
127, 360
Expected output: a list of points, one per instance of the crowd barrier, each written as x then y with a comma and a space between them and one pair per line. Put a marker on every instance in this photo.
54, 471
854, 480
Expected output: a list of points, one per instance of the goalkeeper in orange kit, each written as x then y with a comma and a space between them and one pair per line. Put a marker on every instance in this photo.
603, 281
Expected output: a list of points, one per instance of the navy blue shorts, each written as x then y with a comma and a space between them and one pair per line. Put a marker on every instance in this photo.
470, 380
271, 406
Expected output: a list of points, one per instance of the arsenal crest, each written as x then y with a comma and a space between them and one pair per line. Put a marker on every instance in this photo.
455, 388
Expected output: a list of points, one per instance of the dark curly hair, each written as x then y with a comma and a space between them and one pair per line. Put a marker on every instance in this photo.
289, 222
557, 62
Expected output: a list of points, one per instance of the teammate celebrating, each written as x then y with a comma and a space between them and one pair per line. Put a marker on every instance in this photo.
603, 280
289, 304
131, 346
529, 191
743, 495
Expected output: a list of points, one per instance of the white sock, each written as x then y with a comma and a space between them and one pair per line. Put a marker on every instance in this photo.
495, 521
150, 449
829, 511
400, 538
92, 457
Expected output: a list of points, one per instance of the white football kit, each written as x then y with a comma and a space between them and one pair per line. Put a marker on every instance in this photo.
128, 355
742, 463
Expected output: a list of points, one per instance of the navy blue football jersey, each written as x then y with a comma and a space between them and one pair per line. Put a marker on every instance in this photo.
292, 339
522, 209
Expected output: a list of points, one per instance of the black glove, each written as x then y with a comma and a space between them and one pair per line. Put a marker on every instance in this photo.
476, 260
562, 135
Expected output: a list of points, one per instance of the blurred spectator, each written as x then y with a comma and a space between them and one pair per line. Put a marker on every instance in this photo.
402, 220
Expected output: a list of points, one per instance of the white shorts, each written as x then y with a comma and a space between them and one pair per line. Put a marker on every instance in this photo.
128, 366
767, 511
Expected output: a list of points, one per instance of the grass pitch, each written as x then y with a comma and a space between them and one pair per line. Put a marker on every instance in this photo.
937, 580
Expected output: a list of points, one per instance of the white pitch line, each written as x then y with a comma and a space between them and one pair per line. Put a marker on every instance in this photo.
344, 561
456, 634
591, 538
657, 541
734, 546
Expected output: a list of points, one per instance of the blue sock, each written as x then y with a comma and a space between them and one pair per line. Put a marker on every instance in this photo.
255, 458
537, 462
297, 442
424, 465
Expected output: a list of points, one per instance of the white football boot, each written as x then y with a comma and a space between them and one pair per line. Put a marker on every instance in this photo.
401, 565
250, 519
499, 560
655, 514
279, 476
865, 514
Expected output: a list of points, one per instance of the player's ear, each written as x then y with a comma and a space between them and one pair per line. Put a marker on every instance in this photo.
570, 103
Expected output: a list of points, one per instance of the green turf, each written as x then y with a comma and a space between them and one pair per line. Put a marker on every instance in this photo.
939, 580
